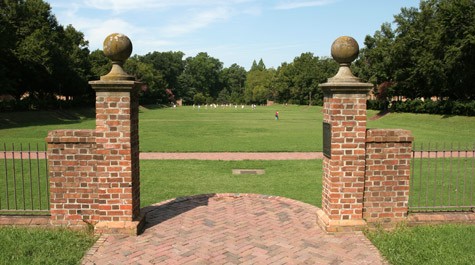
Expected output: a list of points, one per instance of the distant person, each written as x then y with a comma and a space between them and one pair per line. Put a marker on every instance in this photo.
276, 115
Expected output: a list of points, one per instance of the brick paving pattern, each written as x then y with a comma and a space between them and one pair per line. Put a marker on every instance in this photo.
233, 229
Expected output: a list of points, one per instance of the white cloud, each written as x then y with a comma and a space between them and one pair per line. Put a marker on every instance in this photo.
128, 5
194, 22
96, 30
292, 4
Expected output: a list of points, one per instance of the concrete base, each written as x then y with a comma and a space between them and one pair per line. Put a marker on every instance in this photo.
131, 228
332, 226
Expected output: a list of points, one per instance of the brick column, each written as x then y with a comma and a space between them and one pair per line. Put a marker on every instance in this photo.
117, 141
344, 123
388, 158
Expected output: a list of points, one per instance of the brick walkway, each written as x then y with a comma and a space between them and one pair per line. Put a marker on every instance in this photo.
233, 229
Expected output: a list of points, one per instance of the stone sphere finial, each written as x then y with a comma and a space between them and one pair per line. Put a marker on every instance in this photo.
345, 50
118, 48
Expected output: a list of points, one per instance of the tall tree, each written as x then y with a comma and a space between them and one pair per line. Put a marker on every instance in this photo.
431, 51
201, 75
234, 79
169, 64
42, 58
259, 84
298, 82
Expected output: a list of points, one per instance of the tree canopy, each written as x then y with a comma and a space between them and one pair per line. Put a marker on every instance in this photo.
429, 53
426, 52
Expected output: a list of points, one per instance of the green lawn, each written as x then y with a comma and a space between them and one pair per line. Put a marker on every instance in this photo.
23, 186
43, 246
165, 179
185, 129
443, 244
442, 182
299, 180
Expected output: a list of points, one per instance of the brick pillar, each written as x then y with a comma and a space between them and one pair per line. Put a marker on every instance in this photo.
72, 178
117, 141
388, 158
344, 123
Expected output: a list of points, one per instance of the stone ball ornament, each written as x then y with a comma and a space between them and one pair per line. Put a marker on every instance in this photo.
117, 47
345, 50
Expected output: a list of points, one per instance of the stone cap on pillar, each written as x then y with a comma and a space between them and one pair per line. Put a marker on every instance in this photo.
344, 51
118, 48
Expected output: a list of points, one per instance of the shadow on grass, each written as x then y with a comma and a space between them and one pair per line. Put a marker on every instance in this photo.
152, 107
10, 120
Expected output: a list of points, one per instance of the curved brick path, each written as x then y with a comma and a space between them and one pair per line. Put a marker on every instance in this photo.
233, 229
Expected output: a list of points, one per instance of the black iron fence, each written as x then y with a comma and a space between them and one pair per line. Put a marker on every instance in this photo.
24, 185
442, 178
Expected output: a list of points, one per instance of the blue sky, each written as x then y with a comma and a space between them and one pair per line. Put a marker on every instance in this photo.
233, 31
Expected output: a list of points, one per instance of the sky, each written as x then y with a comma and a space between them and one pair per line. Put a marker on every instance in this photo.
233, 31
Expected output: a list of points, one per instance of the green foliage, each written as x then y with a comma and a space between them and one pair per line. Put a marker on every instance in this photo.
258, 87
234, 79
43, 58
442, 107
298, 82
431, 52
443, 244
43, 246
201, 75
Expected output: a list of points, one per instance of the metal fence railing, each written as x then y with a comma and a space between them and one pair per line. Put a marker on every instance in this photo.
24, 184
442, 178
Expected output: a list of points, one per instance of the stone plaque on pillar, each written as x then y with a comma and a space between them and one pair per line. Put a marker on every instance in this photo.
327, 139
344, 129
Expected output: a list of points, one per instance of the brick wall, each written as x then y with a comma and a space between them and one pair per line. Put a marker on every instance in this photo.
386, 192
73, 180
95, 174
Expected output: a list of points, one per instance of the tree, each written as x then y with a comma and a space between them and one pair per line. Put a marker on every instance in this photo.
299, 81
100, 64
154, 85
233, 79
39, 57
201, 75
170, 65
259, 84
431, 52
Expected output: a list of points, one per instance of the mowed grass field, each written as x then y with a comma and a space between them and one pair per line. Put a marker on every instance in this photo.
187, 129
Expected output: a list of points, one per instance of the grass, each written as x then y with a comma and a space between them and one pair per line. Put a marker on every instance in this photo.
185, 129
444, 244
165, 179
231, 130
442, 182
434, 129
43, 246
26, 189
188, 130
